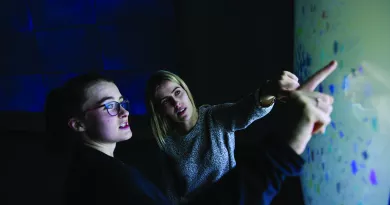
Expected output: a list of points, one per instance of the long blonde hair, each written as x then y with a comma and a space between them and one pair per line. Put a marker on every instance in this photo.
161, 126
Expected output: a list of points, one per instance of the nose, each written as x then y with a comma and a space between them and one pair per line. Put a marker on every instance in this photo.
176, 103
123, 112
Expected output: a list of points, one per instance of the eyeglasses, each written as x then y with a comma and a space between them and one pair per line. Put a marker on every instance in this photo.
113, 107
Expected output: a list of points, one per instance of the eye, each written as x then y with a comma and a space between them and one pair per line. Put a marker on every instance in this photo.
177, 92
110, 105
164, 102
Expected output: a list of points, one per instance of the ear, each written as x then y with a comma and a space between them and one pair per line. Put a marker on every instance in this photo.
76, 125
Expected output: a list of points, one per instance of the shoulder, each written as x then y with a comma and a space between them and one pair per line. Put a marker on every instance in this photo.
209, 114
204, 108
95, 164
111, 180
206, 112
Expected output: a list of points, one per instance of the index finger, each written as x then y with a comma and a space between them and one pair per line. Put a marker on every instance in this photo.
318, 77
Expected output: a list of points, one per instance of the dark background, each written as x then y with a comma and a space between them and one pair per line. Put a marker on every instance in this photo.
222, 49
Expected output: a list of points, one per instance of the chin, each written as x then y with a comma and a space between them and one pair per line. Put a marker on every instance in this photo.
186, 117
125, 137
128, 136
183, 119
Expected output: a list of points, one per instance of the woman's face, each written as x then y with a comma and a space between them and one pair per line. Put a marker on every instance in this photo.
99, 124
174, 102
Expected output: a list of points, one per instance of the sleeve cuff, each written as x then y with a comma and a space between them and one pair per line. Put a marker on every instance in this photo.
267, 109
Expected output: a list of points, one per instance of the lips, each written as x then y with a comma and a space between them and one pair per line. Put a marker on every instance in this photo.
181, 111
124, 125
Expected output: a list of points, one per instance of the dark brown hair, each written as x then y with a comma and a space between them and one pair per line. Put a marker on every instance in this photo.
66, 102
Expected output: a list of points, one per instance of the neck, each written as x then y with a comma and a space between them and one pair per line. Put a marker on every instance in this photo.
185, 127
106, 148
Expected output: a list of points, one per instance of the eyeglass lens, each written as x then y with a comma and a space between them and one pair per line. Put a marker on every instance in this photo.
116, 110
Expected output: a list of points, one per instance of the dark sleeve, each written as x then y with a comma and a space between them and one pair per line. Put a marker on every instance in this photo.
256, 180
129, 186
172, 184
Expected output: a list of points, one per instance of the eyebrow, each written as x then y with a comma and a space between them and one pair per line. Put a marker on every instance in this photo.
171, 92
175, 89
107, 98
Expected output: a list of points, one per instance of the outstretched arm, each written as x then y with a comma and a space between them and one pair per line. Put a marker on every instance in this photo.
239, 115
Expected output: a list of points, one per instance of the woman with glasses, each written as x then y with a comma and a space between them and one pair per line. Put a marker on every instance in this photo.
90, 114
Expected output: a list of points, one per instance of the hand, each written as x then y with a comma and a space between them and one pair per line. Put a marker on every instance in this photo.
308, 111
276, 89
322, 101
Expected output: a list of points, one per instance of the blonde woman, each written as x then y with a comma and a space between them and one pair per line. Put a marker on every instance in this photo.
200, 142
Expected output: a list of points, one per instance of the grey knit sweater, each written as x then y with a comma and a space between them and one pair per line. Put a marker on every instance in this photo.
206, 153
